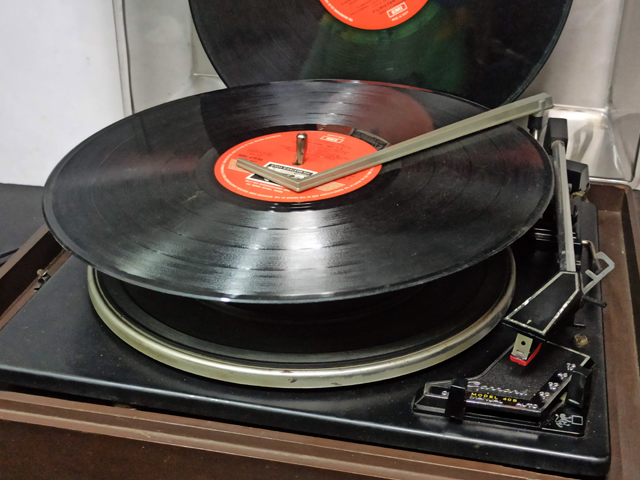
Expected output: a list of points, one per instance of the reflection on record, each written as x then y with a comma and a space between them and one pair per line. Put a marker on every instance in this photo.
487, 51
146, 199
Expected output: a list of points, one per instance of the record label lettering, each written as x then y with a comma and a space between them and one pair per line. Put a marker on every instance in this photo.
373, 14
277, 151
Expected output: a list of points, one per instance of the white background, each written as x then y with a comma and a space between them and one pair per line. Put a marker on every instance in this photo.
59, 79
59, 82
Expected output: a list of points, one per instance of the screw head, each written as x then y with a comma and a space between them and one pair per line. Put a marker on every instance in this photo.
580, 341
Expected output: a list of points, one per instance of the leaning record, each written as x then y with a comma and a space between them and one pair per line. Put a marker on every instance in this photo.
486, 51
157, 200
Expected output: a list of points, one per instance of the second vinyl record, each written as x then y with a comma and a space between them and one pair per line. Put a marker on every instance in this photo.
158, 201
487, 51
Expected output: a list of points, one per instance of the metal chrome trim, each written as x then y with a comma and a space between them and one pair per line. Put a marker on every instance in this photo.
566, 253
477, 123
540, 290
199, 364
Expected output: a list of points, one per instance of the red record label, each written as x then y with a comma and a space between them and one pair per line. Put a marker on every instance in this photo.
373, 14
324, 150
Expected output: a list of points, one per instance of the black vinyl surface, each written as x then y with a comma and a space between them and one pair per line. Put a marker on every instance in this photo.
487, 51
327, 335
59, 344
140, 201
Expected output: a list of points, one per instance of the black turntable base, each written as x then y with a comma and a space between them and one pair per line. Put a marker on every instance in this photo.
58, 343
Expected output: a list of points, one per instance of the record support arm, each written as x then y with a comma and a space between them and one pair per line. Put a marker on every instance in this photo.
561, 295
483, 121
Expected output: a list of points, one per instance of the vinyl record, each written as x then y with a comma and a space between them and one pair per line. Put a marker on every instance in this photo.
157, 200
487, 51
311, 345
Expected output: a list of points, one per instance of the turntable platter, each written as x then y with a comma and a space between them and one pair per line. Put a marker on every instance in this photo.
324, 345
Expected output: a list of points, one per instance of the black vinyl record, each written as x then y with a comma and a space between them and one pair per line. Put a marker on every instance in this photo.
339, 333
142, 200
315, 345
487, 51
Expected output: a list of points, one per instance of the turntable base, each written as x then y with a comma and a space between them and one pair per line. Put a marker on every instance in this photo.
58, 342
67, 429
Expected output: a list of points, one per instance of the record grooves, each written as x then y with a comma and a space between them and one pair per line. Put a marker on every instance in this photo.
380, 307
487, 52
301, 346
140, 200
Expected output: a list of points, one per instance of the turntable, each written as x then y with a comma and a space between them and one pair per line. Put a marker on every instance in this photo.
440, 311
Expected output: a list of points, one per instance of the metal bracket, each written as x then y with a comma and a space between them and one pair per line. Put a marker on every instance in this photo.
490, 118
556, 299
522, 347
597, 277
